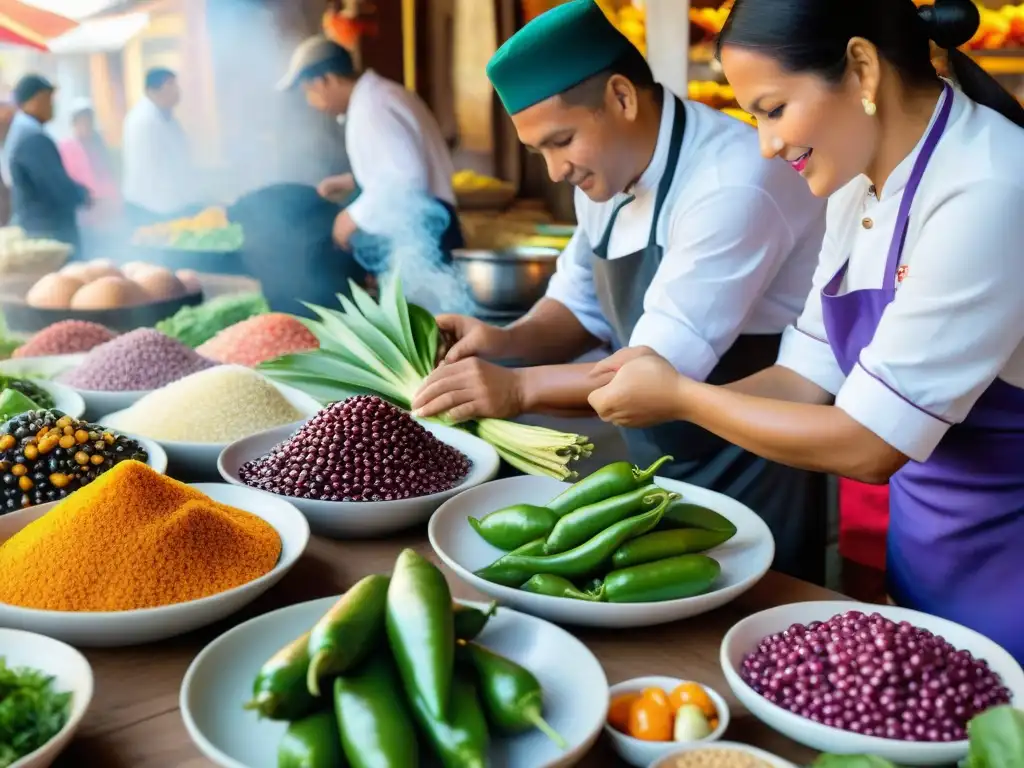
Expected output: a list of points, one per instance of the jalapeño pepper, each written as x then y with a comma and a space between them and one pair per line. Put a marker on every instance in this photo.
682, 514
348, 632
461, 740
671, 579
279, 691
661, 545
556, 586
512, 527
515, 570
376, 726
512, 696
535, 547
313, 742
612, 480
586, 522
470, 621
421, 629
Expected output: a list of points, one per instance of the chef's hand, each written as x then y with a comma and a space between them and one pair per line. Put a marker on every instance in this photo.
470, 389
645, 390
335, 188
470, 337
344, 228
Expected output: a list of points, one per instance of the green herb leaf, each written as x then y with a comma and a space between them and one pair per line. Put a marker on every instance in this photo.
850, 761
996, 739
426, 336
373, 312
334, 323
393, 303
31, 712
330, 368
379, 342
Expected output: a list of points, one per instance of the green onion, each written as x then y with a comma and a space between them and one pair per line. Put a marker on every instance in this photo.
388, 349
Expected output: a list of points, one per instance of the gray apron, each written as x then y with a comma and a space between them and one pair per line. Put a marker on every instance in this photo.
792, 502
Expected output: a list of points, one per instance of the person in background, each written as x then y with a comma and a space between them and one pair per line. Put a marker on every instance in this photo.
157, 166
393, 142
88, 161
687, 241
907, 364
45, 199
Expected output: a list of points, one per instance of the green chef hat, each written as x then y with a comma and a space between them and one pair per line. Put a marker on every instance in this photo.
556, 51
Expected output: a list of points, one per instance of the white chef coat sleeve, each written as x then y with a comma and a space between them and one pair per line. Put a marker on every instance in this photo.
955, 322
721, 255
387, 159
573, 282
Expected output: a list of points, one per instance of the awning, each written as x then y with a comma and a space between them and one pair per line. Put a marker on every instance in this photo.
22, 24
102, 35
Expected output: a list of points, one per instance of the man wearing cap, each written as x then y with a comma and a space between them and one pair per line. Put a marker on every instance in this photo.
394, 144
687, 241
44, 198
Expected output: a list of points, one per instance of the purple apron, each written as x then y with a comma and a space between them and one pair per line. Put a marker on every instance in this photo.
956, 520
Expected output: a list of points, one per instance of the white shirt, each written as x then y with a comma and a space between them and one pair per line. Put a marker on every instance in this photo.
394, 146
957, 321
741, 236
157, 168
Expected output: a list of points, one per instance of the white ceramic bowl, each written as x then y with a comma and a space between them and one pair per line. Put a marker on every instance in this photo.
199, 460
639, 752
40, 367
220, 680
366, 518
745, 636
65, 399
72, 674
774, 761
745, 558
125, 628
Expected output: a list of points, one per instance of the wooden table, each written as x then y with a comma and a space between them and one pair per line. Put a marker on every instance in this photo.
134, 721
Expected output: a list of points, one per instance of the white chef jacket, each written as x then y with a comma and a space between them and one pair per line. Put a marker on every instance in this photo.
741, 236
394, 145
957, 321
156, 162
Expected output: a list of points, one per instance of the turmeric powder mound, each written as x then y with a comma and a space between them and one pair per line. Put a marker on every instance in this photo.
134, 539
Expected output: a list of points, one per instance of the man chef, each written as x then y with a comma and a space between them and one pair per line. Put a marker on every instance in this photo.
687, 241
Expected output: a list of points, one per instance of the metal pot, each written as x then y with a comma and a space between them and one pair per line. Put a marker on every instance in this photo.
509, 279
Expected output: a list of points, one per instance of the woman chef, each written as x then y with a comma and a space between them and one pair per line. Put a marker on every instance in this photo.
907, 362
687, 241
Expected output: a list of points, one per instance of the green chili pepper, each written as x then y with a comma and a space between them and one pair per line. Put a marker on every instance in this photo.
348, 632
685, 515
612, 480
670, 579
512, 696
555, 586
586, 522
421, 628
660, 545
535, 547
462, 739
377, 730
514, 526
313, 742
279, 691
515, 570
470, 621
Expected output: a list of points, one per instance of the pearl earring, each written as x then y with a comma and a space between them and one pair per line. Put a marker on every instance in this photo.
869, 107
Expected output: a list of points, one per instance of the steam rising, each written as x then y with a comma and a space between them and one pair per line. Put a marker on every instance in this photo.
413, 224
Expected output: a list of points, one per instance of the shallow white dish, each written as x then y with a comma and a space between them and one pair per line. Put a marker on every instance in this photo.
199, 460
65, 399
125, 628
72, 674
97, 403
639, 752
773, 760
745, 635
745, 558
366, 518
40, 367
220, 680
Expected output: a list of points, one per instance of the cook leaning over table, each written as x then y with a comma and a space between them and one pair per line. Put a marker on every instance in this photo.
908, 361
393, 142
688, 241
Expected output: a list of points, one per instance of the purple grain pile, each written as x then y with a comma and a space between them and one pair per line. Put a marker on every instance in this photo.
361, 449
139, 361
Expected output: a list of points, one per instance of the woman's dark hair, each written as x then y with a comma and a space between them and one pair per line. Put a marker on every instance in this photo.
813, 35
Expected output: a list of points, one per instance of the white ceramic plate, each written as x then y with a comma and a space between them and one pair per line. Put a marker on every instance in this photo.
126, 628
366, 518
744, 637
72, 674
65, 399
745, 558
773, 760
220, 680
40, 367
199, 460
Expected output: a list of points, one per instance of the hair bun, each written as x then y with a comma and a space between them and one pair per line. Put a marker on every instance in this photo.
950, 23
